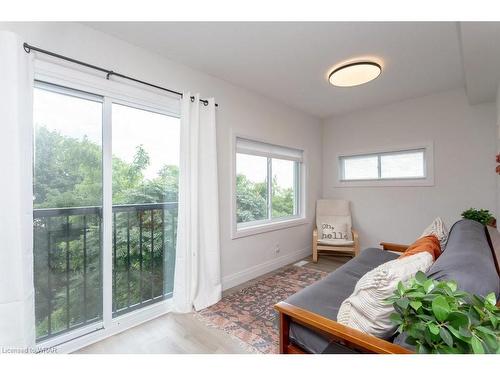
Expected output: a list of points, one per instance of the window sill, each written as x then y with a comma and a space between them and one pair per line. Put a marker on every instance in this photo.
268, 227
414, 182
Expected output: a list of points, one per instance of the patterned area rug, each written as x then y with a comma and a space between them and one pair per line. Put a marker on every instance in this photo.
248, 315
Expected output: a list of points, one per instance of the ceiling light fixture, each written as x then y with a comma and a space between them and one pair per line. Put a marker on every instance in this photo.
354, 74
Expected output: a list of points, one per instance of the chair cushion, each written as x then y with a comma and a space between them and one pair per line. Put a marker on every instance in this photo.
336, 243
468, 259
325, 297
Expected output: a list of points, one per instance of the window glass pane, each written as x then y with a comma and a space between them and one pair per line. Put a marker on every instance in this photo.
251, 188
283, 199
67, 206
145, 150
402, 165
360, 167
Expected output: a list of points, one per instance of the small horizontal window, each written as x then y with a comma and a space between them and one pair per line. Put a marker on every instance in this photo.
406, 164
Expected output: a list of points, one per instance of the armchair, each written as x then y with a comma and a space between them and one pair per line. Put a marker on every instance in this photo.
328, 209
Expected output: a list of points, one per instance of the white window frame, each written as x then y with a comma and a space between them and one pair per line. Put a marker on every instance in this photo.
427, 180
135, 97
261, 226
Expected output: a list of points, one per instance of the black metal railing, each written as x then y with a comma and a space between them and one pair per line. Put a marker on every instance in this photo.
68, 262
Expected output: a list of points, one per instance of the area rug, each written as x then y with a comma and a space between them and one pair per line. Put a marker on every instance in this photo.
248, 315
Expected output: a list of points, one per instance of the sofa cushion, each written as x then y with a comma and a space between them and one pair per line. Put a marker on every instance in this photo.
438, 229
325, 297
468, 259
429, 244
366, 309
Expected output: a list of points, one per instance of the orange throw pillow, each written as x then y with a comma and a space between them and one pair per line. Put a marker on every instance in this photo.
427, 243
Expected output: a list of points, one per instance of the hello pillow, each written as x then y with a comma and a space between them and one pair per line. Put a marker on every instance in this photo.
334, 230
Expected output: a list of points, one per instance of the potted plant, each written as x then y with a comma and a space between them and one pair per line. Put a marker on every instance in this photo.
482, 216
439, 318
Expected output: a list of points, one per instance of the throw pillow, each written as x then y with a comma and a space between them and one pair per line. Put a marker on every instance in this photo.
367, 309
334, 230
429, 244
438, 229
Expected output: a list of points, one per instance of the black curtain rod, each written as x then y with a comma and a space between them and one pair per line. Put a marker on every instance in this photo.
28, 48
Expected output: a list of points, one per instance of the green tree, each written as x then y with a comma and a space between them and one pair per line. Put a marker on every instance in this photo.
251, 198
68, 173
283, 200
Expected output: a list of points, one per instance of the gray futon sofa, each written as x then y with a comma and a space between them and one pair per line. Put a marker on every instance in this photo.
308, 317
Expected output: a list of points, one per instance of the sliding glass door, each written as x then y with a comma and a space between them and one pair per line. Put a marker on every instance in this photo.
76, 287
67, 209
145, 188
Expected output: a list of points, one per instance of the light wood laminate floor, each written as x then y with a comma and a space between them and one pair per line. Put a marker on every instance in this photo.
184, 333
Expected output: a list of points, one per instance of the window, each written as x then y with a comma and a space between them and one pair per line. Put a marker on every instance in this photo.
76, 133
267, 183
410, 165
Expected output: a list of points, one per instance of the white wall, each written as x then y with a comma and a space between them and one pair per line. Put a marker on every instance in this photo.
464, 140
240, 111
498, 151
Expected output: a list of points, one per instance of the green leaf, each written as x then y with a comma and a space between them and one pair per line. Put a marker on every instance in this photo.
477, 301
458, 319
494, 321
491, 298
416, 305
452, 285
396, 318
486, 330
440, 308
455, 333
490, 342
401, 288
403, 303
446, 336
477, 347
415, 295
473, 315
465, 332
434, 329
428, 286
420, 278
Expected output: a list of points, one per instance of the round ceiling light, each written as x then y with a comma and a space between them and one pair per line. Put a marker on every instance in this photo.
354, 74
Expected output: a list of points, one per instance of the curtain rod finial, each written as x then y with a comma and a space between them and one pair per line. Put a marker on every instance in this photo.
26, 47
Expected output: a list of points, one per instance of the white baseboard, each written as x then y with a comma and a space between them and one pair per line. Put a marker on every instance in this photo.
238, 278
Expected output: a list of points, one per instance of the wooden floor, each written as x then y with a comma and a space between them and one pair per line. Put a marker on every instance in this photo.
184, 333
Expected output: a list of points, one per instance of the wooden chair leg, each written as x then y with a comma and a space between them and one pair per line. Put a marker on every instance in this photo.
315, 246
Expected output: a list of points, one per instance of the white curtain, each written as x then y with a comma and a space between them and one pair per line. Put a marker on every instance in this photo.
197, 267
17, 314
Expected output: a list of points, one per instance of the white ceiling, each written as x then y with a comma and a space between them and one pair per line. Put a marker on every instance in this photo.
290, 61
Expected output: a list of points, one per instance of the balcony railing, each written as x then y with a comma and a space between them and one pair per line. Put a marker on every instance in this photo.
68, 262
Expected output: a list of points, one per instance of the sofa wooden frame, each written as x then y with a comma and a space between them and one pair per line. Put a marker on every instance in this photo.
349, 337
